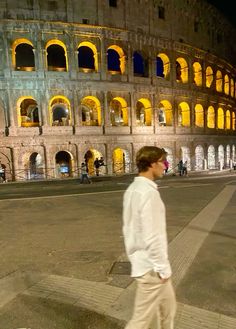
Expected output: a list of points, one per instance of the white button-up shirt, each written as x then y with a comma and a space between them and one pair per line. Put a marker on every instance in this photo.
144, 228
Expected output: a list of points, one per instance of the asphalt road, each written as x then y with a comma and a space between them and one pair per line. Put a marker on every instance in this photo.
72, 230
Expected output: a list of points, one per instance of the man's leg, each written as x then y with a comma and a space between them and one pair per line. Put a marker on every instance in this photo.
150, 292
167, 307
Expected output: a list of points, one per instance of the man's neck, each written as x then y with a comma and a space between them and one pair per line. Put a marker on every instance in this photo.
147, 174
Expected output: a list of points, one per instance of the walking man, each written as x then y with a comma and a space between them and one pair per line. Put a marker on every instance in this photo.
145, 238
84, 174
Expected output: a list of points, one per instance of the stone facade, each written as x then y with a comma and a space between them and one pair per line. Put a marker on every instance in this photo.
86, 79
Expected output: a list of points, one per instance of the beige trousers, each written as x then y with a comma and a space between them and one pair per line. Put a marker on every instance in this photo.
153, 298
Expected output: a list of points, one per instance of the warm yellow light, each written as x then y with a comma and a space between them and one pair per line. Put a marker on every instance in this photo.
166, 106
148, 110
228, 119
183, 69
197, 71
94, 104
219, 81
184, 114
209, 77
16, 43
122, 106
57, 100
59, 43
166, 64
18, 108
226, 84
211, 117
220, 118
199, 116
95, 53
121, 54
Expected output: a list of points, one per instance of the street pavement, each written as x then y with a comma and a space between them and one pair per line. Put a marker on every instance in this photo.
63, 263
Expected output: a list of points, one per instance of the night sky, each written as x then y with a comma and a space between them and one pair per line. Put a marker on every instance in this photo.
226, 8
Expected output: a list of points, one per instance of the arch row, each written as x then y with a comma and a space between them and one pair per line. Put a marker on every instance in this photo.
88, 60
66, 162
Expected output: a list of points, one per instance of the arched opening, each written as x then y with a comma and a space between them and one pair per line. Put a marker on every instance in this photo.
162, 66
233, 121
183, 115
197, 71
165, 113
23, 55
185, 156
119, 112
210, 117
226, 84
143, 112
233, 154
232, 87
56, 56
209, 77
140, 65
91, 111
228, 119
36, 166
27, 112
63, 161
227, 158
60, 111
211, 157
199, 158
115, 60
221, 157
219, 81
87, 57
220, 118
199, 116
89, 158
170, 158
121, 161
181, 70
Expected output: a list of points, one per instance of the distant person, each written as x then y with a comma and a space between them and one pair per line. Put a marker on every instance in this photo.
166, 163
97, 166
101, 161
145, 238
180, 167
84, 174
2, 173
185, 168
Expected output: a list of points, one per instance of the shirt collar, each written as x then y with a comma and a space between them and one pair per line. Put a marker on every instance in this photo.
146, 180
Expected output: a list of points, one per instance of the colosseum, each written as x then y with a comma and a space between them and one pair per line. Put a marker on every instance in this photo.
82, 80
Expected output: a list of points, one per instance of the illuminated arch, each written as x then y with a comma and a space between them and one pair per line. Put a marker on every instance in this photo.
210, 117
219, 81
164, 65
184, 114
199, 116
227, 120
185, 156
181, 70
227, 156
199, 158
209, 77
94, 50
15, 44
221, 157
61, 104
233, 121
226, 84
232, 87
170, 157
92, 116
119, 112
144, 112
64, 164
90, 157
220, 118
27, 112
121, 161
211, 157
166, 108
61, 44
122, 60
197, 71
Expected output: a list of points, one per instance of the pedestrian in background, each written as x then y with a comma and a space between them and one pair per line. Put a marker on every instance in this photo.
185, 168
145, 238
180, 167
84, 174
166, 163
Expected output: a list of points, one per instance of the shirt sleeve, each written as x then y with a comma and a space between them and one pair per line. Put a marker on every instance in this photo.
153, 222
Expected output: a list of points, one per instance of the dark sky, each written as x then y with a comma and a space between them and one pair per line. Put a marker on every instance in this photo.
225, 6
